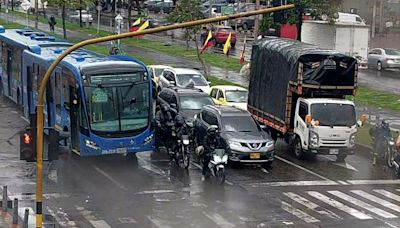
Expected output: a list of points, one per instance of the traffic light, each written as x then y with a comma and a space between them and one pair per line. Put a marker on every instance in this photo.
27, 148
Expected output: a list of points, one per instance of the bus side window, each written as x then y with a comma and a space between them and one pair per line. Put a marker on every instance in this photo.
66, 96
57, 92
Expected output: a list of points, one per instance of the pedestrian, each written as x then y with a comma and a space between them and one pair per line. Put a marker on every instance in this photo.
52, 23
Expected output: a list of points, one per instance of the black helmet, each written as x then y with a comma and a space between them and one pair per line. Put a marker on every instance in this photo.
211, 130
385, 124
164, 108
179, 120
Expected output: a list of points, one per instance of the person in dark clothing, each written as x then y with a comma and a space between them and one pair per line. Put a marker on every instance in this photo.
163, 132
211, 142
52, 23
377, 133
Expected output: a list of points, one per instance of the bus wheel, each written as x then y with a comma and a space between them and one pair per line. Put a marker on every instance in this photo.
131, 156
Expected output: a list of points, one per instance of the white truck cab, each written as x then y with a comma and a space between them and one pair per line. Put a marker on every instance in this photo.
324, 126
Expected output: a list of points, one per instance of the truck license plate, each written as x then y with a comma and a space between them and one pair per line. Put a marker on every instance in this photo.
333, 151
254, 155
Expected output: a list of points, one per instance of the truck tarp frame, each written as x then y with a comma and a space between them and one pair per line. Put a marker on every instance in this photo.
278, 64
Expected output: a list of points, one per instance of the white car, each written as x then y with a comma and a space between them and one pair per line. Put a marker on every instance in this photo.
85, 17
182, 77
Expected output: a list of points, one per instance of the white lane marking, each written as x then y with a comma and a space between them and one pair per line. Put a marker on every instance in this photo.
339, 205
155, 192
153, 169
302, 168
61, 217
293, 183
310, 205
121, 186
388, 194
361, 182
298, 213
31, 196
92, 219
31, 217
340, 164
362, 204
345, 165
219, 220
158, 223
343, 183
377, 200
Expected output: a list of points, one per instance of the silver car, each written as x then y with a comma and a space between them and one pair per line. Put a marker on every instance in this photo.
247, 140
384, 58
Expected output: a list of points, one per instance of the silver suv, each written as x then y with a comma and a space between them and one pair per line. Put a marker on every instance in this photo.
248, 142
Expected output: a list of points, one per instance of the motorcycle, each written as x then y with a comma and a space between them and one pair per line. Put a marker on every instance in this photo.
386, 152
396, 157
216, 166
183, 156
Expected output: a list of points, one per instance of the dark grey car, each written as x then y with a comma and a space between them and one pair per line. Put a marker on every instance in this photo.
248, 142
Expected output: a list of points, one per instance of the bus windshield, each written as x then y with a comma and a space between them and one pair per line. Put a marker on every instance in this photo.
118, 108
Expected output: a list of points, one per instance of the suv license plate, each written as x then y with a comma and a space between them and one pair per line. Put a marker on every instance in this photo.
333, 151
255, 156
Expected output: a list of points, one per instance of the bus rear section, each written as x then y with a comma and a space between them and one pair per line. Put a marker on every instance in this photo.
116, 98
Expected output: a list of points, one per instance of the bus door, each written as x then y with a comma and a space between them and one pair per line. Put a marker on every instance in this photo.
74, 95
57, 88
29, 88
9, 70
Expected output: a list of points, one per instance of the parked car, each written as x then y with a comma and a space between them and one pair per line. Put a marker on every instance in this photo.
247, 140
188, 101
245, 23
229, 96
85, 17
165, 7
384, 58
220, 33
182, 77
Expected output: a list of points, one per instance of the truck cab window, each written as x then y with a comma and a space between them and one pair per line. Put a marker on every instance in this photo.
220, 94
303, 111
213, 93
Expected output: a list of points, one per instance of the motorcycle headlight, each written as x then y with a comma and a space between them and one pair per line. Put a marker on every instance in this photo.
225, 158
391, 143
217, 159
185, 142
352, 141
234, 144
314, 139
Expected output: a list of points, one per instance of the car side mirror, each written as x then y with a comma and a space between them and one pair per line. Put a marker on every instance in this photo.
263, 127
173, 83
208, 82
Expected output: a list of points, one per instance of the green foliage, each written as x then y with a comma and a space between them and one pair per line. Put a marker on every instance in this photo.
187, 10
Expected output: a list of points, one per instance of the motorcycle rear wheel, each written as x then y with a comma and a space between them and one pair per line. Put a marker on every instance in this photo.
220, 177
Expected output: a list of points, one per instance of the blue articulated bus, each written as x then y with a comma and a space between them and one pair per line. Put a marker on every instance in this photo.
103, 102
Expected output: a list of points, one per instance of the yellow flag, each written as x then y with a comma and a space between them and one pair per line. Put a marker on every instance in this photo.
208, 38
137, 22
227, 44
144, 26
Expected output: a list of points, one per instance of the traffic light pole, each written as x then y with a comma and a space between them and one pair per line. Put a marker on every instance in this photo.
39, 144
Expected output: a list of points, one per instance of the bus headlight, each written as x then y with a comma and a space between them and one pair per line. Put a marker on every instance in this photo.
314, 139
148, 139
352, 140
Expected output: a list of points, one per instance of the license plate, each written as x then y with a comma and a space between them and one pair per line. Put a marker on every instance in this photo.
254, 155
333, 151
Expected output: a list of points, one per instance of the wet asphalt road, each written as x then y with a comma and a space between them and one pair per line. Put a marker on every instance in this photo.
114, 192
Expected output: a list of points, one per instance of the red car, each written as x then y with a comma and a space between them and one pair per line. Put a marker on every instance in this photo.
220, 33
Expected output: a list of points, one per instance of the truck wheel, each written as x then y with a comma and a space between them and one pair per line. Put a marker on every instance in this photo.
341, 157
298, 149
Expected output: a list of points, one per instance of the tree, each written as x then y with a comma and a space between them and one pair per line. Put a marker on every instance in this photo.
189, 10
315, 8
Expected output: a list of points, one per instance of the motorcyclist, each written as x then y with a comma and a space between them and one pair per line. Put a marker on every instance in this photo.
180, 130
163, 116
377, 133
211, 142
